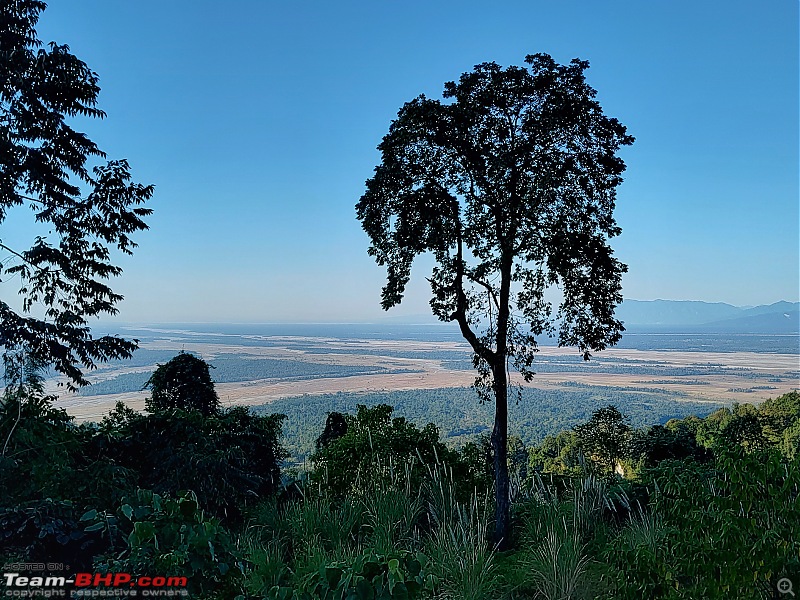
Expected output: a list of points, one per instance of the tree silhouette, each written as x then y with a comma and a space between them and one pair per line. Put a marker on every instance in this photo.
510, 185
182, 383
335, 427
45, 164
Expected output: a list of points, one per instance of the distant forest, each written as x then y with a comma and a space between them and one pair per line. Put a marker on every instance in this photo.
461, 417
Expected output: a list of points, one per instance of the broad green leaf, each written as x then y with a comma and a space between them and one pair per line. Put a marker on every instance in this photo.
89, 515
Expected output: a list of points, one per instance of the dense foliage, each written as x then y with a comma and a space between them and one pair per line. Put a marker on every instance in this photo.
135, 493
604, 437
374, 448
706, 507
728, 528
182, 383
166, 534
229, 459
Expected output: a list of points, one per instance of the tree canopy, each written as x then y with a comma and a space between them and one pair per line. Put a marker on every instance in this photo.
510, 184
372, 445
86, 211
605, 437
182, 383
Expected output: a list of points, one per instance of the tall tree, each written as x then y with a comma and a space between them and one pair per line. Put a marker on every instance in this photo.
510, 185
86, 210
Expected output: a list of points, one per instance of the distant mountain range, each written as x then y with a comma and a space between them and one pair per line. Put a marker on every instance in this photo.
686, 316
714, 317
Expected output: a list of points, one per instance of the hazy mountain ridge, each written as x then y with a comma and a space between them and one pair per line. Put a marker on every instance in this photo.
778, 322
779, 317
714, 317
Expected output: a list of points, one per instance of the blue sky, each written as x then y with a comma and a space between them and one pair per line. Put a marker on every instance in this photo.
258, 121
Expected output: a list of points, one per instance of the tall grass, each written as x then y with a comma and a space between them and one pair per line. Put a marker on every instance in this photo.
645, 528
440, 495
590, 498
289, 545
391, 509
558, 562
556, 531
268, 565
384, 515
264, 544
461, 555
391, 518
334, 525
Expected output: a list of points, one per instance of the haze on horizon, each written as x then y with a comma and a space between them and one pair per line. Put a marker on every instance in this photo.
258, 125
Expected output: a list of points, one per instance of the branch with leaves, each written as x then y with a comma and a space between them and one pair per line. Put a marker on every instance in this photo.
46, 163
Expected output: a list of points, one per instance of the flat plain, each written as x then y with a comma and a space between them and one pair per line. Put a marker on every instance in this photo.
257, 370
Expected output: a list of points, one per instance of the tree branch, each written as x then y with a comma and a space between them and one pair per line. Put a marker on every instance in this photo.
488, 287
460, 314
13, 427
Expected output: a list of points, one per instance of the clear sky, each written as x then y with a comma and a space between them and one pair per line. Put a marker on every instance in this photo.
258, 121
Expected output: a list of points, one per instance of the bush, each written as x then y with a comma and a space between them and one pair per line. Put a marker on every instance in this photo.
230, 460
655, 444
40, 449
170, 536
369, 577
46, 531
558, 454
725, 530
377, 448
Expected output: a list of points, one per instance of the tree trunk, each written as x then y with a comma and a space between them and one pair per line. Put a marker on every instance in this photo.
502, 524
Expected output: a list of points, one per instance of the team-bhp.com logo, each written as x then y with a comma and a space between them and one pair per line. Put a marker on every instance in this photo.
92, 585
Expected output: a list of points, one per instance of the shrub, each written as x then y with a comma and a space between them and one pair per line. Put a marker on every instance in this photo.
40, 449
230, 459
369, 577
170, 536
376, 448
655, 444
46, 531
726, 530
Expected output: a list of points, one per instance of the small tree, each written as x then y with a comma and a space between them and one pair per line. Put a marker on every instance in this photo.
43, 163
655, 444
604, 438
511, 187
557, 454
183, 383
335, 427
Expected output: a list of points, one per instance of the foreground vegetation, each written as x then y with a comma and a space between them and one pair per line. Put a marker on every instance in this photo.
698, 508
